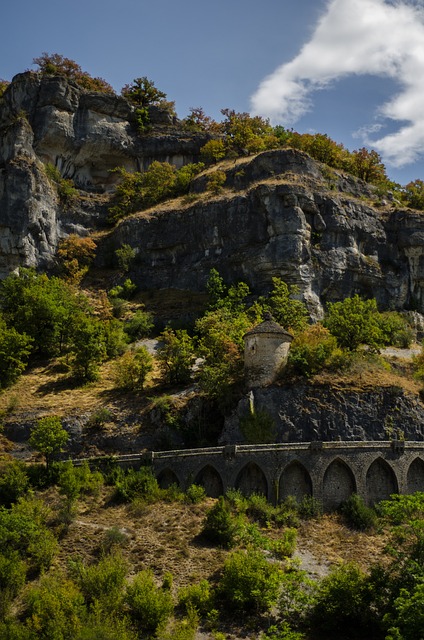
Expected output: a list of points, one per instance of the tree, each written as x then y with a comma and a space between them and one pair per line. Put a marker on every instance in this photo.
414, 194
176, 355
48, 437
353, 322
149, 604
245, 133
216, 182
43, 308
213, 151
143, 93
197, 120
124, 256
88, 347
286, 309
15, 349
367, 165
56, 64
3, 86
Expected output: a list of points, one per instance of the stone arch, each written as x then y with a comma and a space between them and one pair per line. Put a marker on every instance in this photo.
339, 484
210, 479
381, 481
295, 481
167, 478
251, 479
415, 477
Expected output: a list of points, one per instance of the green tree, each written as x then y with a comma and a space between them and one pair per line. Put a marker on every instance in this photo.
15, 349
43, 308
286, 309
124, 257
157, 183
48, 437
342, 605
213, 151
413, 193
353, 322
176, 355
13, 481
143, 93
88, 348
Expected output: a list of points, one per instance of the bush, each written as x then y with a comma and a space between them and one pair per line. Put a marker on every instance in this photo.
216, 182
113, 538
341, 605
55, 608
196, 596
76, 480
102, 582
124, 256
13, 481
312, 350
219, 526
195, 493
285, 546
148, 604
357, 514
249, 583
140, 325
12, 578
258, 427
132, 484
131, 370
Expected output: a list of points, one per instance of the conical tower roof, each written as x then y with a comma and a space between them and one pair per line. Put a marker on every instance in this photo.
269, 325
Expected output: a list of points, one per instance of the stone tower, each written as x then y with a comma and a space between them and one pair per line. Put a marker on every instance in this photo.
266, 348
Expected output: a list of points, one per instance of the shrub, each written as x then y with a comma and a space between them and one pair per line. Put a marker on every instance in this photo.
103, 581
258, 427
176, 355
340, 607
132, 369
312, 350
259, 509
357, 514
124, 256
55, 608
285, 546
132, 484
219, 525
148, 604
216, 182
12, 578
282, 632
140, 325
249, 583
64, 187
213, 151
13, 481
196, 596
355, 322
76, 480
99, 418
113, 538
56, 64
195, 494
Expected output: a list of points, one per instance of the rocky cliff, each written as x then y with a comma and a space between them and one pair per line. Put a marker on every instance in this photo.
280, 212
85, 135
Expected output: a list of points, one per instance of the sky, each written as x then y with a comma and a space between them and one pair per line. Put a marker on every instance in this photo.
353, 69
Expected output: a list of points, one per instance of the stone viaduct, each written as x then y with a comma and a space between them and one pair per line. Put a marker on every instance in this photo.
328, 471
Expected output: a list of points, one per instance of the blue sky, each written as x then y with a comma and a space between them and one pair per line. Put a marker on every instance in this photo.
350, 68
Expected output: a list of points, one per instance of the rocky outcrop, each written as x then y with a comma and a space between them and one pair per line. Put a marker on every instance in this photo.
85, 135
278, 218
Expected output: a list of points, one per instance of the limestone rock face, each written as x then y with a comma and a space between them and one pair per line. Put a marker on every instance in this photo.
279, 219
85, 135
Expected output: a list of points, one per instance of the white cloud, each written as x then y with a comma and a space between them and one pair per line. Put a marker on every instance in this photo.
356, 37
